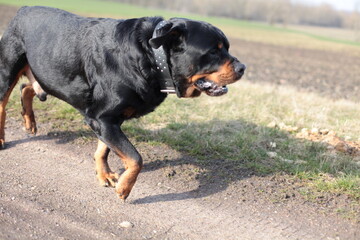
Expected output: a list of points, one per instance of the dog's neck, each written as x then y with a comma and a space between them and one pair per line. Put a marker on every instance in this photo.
167, 83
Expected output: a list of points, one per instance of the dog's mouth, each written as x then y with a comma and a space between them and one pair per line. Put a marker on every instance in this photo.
210, 88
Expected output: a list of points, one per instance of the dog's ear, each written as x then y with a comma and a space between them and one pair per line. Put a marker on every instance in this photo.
168, 33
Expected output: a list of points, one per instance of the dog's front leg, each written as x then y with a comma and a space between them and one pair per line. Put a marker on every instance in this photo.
106, 177
111, 134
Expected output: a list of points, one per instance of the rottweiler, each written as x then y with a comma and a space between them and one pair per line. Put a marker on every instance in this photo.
111, 70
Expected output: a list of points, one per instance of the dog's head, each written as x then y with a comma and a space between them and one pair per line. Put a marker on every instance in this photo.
198, 55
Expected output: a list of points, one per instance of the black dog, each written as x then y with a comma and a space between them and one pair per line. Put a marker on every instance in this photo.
112, 70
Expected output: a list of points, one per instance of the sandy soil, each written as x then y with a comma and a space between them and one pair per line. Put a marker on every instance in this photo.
48, 188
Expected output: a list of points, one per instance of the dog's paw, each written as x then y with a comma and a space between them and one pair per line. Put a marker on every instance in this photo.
107, 179
122, 191
32, 130
2, 144
29, 122
124, 186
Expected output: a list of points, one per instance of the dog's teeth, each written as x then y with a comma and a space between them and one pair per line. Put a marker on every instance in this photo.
208, 84
203, 84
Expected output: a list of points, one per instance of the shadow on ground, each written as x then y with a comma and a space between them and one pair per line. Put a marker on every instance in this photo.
216, 153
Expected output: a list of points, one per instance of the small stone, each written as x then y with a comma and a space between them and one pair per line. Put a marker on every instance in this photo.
304, 130
341, 147
171, 173
293, 129
315, 131
304, 133
287, 160
347, 138
286, 196
272, 154
272, 125
331, 133
330, 147
324, 131
272, 144
126, 224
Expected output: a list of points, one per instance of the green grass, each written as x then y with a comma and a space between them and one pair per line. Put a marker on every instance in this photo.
234, 128
87, 6
325, 183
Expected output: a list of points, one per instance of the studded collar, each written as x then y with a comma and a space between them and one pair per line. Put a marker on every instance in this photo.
167, 83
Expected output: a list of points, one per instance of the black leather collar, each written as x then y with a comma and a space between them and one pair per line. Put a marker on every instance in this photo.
167, 83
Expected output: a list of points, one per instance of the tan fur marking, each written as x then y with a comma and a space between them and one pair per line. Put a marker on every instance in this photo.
27, 95
192, 92
225, 75
103, 172
128, 178
3, 104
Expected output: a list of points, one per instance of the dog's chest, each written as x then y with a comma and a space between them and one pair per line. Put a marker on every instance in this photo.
129, 112
137, 109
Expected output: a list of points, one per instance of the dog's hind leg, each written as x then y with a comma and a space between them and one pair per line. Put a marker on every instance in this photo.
12, 63
27, 96
28, 92
6, 88
4, 98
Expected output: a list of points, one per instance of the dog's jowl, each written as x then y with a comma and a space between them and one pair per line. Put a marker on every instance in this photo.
111, 71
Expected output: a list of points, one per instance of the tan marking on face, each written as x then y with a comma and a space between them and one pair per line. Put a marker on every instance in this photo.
191, 92
225, 75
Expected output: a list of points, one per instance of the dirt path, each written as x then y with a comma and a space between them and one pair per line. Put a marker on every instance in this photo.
48, 191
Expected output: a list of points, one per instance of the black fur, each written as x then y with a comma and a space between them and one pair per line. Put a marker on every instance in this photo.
103, 67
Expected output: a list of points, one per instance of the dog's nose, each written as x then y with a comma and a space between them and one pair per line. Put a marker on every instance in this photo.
239, 68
